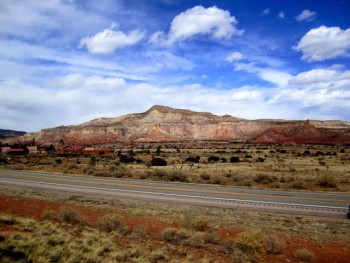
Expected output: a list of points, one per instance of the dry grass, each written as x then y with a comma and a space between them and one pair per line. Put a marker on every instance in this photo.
198, 233
315, 167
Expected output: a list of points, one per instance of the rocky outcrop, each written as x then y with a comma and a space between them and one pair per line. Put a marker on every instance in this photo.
161, 124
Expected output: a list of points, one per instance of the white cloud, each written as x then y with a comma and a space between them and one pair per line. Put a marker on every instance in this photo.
91, 83
273, 76
306, 15
318, 93
234, 56
277, 77
266, 12
212, 21
108, 40
281, 15
315, 94
324, 43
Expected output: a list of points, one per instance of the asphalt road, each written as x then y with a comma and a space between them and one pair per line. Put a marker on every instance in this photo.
288, 202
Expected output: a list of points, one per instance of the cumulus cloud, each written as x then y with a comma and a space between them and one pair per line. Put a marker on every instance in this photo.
234, 56
91, 83
108, 40
273, 76
315, 94
306, 15
281, 15
319, 93
324, 43
212, 21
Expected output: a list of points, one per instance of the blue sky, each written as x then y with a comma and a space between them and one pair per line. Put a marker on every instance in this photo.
65, 62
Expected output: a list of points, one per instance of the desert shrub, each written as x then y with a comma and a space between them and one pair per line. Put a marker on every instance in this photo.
201, 224
126, 159
192, 159
210, 238
223, 159
205, 176
50, 215
228, 246
249, 242
58, 161
158, 162
264, 178
304, 255
307, 153
248, 156
93, 160
246, 182
183, 234
327, 181
140, 233
72, 166
319, 153
217, 179
240, 257
259, 160
213, 158
177, 176
109, 223
342, 151
102, 174
273, 244
169, 234
120, 171
234, 159
195, 240
159, 173
157, 256
71, 216
300, 184
144, 175
282, 151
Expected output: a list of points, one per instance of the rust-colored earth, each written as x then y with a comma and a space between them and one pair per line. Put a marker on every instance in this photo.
337, 252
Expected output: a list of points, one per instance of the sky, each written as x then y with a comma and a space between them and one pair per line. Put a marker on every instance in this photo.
65, 62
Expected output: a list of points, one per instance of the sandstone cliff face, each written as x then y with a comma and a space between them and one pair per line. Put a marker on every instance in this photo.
161, 124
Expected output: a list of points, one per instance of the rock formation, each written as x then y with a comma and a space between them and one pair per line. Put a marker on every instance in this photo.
162, 124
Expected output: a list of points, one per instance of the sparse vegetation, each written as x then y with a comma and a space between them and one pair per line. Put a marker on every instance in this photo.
304, 255
290, 167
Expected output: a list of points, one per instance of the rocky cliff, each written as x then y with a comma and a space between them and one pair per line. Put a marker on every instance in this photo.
160, 124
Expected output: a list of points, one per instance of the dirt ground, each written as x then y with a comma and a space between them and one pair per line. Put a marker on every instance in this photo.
324, 251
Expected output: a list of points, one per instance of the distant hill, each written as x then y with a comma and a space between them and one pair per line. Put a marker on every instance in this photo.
165, 124
10, 133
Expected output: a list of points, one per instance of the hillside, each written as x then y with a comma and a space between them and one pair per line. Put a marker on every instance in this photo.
162, 124
10, 133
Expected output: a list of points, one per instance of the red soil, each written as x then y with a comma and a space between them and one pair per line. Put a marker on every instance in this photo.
336, 252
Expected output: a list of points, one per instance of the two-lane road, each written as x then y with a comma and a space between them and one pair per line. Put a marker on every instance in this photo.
303, 203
